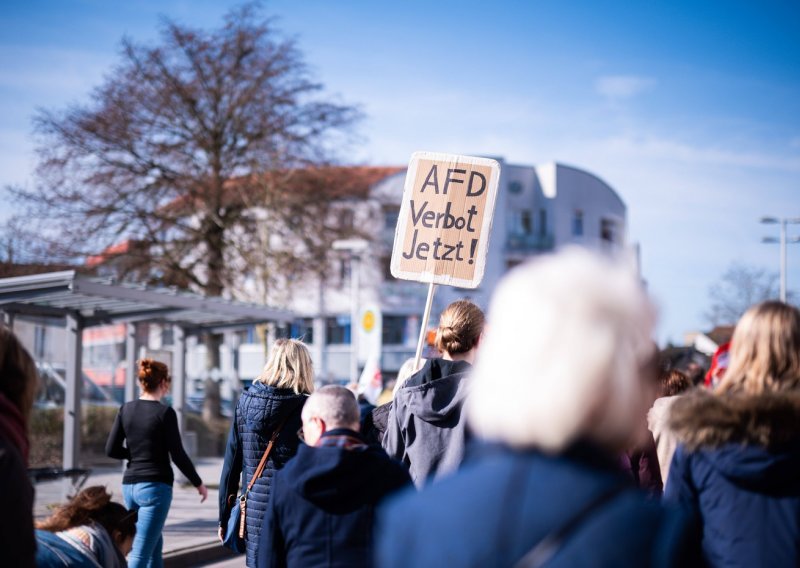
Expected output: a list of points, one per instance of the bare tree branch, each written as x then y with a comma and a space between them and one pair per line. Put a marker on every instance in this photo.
178, 146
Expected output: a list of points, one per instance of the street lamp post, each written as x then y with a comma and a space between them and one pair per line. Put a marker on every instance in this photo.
782, 221
355, 247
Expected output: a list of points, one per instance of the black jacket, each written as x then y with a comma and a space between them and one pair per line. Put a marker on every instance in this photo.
323, 503
426, 429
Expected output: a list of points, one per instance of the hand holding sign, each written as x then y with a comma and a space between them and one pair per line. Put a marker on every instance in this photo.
443, 229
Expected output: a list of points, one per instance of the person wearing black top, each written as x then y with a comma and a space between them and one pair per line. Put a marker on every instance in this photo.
150, 430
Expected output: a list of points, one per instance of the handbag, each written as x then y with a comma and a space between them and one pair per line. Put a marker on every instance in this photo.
234, 537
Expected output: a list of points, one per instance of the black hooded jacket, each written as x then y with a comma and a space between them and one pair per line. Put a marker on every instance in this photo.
323, 503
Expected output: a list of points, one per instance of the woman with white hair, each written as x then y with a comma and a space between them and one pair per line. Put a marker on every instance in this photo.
561, 386
738, 465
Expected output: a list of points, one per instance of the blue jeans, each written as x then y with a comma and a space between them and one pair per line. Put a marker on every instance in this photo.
152, 499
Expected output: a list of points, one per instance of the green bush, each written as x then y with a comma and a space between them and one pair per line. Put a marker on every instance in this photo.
46, 431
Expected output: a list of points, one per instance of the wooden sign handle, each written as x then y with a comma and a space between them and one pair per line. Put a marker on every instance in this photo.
423, 332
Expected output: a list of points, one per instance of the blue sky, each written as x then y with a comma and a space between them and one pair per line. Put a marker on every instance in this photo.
690, 110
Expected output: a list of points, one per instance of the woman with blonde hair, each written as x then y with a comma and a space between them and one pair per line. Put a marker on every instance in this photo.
425, 428
738, 465
272, 404
146, 434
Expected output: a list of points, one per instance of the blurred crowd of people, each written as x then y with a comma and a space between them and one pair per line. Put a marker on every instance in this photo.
548, 433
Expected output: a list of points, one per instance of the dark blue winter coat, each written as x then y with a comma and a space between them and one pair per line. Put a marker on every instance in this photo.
499, 505
323, 503
259, 411
738, 468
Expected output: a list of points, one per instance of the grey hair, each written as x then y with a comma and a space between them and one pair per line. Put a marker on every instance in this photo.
335, 405
567, 338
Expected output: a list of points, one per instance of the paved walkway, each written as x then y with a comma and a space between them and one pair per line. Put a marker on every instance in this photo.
190, 524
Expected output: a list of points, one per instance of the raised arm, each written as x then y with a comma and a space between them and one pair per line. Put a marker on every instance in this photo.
114, 444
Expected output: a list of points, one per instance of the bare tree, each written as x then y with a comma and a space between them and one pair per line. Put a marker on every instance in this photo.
740, 287
177, 149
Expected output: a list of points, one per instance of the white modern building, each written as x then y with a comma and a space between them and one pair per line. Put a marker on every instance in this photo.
538, 209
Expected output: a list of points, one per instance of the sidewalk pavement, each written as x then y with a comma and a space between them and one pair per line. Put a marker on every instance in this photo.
190, 532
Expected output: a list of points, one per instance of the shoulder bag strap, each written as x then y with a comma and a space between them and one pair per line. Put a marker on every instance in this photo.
263, 462
544, 550
256, 475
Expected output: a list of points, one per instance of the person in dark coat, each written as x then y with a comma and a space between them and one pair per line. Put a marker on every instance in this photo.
275, 400
18, 381
738, 460
425, 428
323, 502
564, 377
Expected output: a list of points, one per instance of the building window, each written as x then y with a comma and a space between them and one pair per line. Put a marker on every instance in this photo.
390, 217
526, 221
394, 330
577, 223
515, 187
39, 341
608, 230
522, 222
337, 330
344, 270
167, 335
302, 329
386, 264
542, 222
346, 219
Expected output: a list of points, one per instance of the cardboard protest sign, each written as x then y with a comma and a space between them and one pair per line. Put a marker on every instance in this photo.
442, 232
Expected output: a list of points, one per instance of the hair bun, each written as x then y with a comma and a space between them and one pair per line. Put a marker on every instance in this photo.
151, 374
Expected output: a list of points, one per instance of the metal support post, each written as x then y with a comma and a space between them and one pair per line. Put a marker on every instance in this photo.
130, 362
179, 375
72, 402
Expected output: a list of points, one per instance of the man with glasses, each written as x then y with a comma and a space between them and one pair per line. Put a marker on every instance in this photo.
322, 506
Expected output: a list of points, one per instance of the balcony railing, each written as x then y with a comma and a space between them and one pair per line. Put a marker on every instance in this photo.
529, 243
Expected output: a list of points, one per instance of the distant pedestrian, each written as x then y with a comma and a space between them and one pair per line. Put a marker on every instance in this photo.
373, 427
90, 530
426, 429
738, 465
563, 379
323, 502
18, 383
273, 401
146, 434
673, 384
